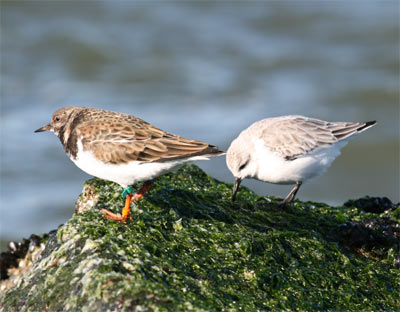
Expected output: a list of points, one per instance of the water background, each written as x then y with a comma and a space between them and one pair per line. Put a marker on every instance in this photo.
202, 70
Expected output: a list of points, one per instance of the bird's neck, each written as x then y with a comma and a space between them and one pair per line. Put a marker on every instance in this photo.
68, 134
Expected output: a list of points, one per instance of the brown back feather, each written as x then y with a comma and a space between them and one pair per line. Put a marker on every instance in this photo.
116, 138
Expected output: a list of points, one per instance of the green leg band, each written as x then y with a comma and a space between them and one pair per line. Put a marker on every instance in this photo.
126, 191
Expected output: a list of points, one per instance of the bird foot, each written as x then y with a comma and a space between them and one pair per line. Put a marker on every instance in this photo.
129, 197
115, 216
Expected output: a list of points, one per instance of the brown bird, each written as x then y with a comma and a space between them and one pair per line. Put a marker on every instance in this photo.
122, 148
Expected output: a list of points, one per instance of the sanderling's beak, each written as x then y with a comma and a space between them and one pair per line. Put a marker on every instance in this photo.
235, 188
44, 128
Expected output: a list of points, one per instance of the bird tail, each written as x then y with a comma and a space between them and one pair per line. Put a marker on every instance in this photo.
366, 125
344, 130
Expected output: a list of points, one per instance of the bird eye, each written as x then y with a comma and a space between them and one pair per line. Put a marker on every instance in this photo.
57, 119
244, 165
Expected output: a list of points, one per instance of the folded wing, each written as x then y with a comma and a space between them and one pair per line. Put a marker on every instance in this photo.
128, 138
297, 135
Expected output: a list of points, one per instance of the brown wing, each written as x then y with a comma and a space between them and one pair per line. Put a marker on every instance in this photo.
116, 138
300, 135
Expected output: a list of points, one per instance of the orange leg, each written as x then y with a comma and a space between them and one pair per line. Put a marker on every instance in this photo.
126, 210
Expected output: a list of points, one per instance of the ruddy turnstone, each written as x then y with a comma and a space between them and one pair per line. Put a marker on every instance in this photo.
122, 148
288, 150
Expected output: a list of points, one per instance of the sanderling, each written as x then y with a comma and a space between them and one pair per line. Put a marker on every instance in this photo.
288, 150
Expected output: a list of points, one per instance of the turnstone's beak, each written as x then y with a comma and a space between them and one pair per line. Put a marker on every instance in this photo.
44, 128
235, 188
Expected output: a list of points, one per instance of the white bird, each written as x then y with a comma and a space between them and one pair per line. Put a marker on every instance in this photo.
288, 150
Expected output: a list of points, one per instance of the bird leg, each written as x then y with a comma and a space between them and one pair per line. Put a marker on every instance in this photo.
235, 188
289, 198
129, 197
146, 186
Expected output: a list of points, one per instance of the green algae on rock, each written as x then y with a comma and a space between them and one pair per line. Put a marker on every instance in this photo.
189, 248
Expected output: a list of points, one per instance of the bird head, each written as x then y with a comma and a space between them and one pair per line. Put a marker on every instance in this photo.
59, 119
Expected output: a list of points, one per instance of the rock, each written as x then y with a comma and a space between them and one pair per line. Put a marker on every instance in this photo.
17, 251
374, 238
188, 248
371, 204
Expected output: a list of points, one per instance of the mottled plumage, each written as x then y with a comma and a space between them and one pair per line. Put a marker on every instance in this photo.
118, 138
120, 147
288, 149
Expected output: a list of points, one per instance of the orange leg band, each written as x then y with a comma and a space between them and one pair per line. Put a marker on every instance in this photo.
126, 209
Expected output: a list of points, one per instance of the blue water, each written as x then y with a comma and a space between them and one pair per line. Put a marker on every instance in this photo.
201, 70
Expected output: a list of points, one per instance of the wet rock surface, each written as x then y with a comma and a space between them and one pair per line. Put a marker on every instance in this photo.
374, 238
188, 248
372, 204
18, 250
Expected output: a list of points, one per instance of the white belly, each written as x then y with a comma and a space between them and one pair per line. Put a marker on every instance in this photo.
125, 174
274, 169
